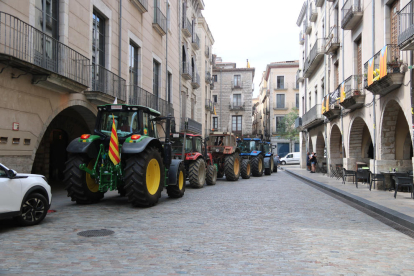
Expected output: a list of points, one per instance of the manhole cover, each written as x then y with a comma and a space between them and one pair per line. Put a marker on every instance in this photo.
96, 233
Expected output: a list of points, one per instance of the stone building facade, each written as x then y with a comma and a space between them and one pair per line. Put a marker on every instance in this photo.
355, 98
70, 56
232, 97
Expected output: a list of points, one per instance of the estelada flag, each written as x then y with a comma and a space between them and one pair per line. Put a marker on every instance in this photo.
214, 108
114, 145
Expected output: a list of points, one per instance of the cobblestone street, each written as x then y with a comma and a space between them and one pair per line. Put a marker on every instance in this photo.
269, 225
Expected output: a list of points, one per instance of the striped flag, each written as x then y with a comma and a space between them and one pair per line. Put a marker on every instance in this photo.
113, 145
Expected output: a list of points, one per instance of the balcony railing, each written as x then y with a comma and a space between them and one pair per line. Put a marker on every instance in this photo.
315, 56
406, 27
208, 77
308, 27
301, 38
165, 108
209, 105
207, 52
186, 27
353, 95
313, 13
140, 96
236, 84
299, 76
312, 117
142, 5
280, 86
105, 86
351, 14
195, 41
319, 3
330, 105
195, 81
190, 125
236, 106
23, 46
332, 41
384, 72
160, 22
187, 72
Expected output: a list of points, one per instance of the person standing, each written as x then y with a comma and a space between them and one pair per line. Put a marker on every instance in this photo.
308, 164
312, 161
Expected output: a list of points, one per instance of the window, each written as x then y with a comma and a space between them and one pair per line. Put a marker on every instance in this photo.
297, 100
237, 123
237, 80
280, 101
237, 100
51, 13
215, 122
215, 78
280, 82
215, 98
133, 64
155, 82
279, 124
98, 41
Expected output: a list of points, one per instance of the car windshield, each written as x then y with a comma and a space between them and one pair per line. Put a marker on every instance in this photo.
249, 145
177, 144
126, 123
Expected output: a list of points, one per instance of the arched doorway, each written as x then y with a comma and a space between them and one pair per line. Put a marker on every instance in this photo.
51, 154
320, 148
336, 153
360, 146
396, 143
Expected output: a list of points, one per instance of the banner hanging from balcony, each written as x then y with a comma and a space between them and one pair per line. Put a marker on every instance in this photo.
342, 93
383, 62
323, 105
370, 73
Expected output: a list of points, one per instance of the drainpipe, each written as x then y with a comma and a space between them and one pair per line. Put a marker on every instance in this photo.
373, 105
166, 57
325, 89
221, 80
343, 78
180, 60
119, 45
306, 82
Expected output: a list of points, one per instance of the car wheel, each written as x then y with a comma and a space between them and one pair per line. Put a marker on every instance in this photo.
283, 163
33, 210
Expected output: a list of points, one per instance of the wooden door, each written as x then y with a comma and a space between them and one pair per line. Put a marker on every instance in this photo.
395, 7
359, 63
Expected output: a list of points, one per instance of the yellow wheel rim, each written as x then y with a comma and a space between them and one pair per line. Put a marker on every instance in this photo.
181, 180
248, 169
236, 166
260, 165
93, 186
153, 176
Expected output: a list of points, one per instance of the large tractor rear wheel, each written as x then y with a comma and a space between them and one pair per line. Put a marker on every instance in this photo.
177, 191
245, 169
257, 165
197, 173
232, 167
144, 178
81, 187
268, 171
211, 176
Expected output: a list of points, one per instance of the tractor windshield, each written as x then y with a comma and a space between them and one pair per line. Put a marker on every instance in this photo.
177, 144
247, 146
266, 148
126, 123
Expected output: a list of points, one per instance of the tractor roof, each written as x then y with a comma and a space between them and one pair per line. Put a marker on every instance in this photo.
251, 139
127, 107
189, 134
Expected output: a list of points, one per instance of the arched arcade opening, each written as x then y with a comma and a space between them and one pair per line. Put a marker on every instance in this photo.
360, 147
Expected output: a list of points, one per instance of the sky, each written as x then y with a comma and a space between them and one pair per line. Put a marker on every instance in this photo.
262, 31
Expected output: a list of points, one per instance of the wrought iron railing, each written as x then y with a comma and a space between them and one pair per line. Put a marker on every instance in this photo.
236, 106
313, 114
190, 125
332, 37
209, 105
165, 108
350, 7
187, 69
196, 79
208, 77
406, 23
187, 25
24, 42
196, 40
207, 52
140, 96
317, 49
107, 82
236, 84
353, 86
160, 19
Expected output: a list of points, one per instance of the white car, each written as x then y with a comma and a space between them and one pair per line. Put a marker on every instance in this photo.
25, 197
290, 158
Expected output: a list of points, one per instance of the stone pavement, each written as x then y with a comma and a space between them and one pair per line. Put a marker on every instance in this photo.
273, 225
400, 209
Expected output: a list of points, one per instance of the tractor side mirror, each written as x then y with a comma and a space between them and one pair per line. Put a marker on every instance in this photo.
173, 127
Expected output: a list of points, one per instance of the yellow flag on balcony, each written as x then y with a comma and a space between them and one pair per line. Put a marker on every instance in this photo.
383, 61
248, 64
214, 108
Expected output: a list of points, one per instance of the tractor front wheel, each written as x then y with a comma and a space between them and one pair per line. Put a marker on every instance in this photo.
197, 173
211, 176
177, 191
144, 178
257, 165
81, 187
245, 169
232, 167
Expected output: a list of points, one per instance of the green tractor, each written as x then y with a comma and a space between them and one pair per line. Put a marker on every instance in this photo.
146, 165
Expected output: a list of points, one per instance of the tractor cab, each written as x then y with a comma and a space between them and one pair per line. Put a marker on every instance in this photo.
267, 149
192, 144
221, 143
250, 146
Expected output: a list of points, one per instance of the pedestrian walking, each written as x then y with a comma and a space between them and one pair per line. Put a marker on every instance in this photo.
312, 161
277, 160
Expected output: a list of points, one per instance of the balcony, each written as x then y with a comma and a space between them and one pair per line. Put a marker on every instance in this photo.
212, 84
165, 108
280, 86
332, 41
351, 14
141, 5
186, 71
298, 123
208, 77
195, 81
384, 72
186, 29
319, 3
191, 126
307, 27
209, 105
406, 28
236, 84
207, 52
280, 106
52, 64
330, 107
140, 96
353, 95
299, 76
315, 56
195, 42
236, 106
105, 86
313, 13
313, 117
301, 38
160, 22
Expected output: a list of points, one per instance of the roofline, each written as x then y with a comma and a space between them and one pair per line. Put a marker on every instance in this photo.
279, 65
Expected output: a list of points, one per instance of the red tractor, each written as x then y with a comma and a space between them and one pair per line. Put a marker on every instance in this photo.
199, 167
